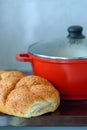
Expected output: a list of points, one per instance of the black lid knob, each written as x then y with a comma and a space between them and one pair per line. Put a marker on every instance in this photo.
75, 32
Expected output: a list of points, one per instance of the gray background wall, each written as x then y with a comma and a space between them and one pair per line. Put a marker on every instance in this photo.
23, 22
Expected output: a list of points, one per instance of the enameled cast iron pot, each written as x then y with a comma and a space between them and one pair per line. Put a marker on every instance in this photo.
68, 72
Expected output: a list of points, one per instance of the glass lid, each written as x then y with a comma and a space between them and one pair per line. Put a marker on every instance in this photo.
72, 47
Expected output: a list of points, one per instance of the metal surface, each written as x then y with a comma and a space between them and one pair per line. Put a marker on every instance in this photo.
70, 113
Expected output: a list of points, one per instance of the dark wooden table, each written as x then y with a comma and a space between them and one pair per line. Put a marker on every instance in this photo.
70, 113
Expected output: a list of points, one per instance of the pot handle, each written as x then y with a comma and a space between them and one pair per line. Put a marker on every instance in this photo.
24, 57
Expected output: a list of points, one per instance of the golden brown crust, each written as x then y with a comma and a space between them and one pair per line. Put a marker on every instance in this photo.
8, 80
26, 96
32, 80
1, 73
10, 74
22, 102
6, 85
46, 92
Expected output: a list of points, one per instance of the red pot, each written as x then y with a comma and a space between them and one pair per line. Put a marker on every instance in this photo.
68, 71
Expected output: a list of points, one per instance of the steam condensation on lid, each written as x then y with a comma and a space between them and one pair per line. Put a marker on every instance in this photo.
71, 50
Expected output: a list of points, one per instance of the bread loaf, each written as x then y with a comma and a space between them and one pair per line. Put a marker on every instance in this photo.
26, 95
